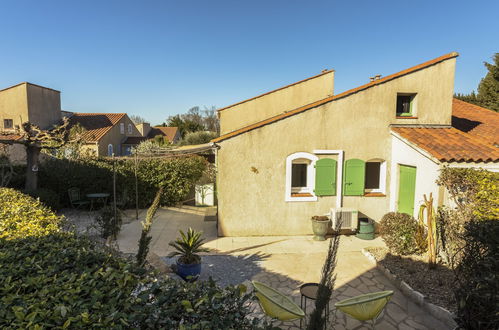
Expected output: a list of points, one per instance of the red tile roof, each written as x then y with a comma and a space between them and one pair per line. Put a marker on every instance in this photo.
334, 97
449, 144
96, 124
134, 140
10, 137
476, 121
276, 90
169, 132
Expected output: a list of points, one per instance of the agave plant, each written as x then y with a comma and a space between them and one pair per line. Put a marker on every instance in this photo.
188, 246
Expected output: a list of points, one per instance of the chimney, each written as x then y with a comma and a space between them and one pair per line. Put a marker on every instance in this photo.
144, 128
371, 78
377, 77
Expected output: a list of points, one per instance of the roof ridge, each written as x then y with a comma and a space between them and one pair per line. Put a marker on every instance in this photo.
276, 90
474, 105
336, 97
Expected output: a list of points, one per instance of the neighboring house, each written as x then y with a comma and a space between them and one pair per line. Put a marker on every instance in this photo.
171, 134
301, 151
24, 102
106, 133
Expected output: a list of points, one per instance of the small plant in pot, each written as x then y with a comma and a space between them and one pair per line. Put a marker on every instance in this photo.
187, 247
320, 225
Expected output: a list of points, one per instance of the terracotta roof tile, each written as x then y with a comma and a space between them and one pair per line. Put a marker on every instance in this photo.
10, 137
169, 132
134, 140
476, 121
449, 144
335, 97
96, 124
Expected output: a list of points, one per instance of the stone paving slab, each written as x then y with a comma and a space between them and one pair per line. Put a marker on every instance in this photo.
284, 263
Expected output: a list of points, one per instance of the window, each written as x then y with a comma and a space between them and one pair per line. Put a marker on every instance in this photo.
364, 178
110, 150
300, 175
122, 128
8, 123
375, 177
129, 128
405, 105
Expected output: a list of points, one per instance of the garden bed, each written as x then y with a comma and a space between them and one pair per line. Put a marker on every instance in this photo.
435, 284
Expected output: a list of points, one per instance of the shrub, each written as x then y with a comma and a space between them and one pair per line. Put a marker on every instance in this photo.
108, 224
477, 276
177, 175
61, 280
22, 216
198, 137
475, 194
48, 197
399, 231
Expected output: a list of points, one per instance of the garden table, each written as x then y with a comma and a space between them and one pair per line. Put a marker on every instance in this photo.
309, 291
97, 197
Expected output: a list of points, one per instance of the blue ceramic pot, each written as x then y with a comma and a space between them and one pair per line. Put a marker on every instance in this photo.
189, 272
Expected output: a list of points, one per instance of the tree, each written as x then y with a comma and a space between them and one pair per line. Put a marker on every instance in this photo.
34, 139
195, 120
137, 119
488, 89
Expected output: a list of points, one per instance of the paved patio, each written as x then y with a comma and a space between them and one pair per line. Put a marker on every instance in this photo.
283, 262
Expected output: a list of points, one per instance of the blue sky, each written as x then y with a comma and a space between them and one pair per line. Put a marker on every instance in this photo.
159, 58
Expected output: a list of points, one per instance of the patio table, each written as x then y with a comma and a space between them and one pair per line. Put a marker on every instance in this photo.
97, 197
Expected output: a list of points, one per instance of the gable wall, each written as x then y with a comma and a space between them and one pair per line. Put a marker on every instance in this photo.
277, 102
14, 105
114, 137
253, 203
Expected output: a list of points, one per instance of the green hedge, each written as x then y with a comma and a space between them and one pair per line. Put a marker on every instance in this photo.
54, 279
22, 216
91, 175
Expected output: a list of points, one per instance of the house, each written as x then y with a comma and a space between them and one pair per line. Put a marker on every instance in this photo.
105, 133
300, 150
26, 102
169, 134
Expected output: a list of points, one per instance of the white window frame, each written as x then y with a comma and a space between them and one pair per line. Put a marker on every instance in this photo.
301, 158
129, 128
382, 177
122, 128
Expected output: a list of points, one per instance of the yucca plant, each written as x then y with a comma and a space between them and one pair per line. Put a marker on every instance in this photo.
188, 246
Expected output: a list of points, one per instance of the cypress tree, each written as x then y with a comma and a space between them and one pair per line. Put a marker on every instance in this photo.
488, 89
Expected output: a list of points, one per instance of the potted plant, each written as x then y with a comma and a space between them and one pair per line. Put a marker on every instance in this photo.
187, 247
320, 225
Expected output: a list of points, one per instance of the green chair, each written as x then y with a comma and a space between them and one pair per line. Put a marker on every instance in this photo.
75, 198
365, 307
275, 304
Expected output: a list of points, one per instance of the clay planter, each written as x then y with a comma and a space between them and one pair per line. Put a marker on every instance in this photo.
320, 225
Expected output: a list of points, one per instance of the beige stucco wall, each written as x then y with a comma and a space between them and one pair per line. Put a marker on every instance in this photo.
277, 102
44, 106
14, 105
253, 203
114, 137
26, 102
427, 172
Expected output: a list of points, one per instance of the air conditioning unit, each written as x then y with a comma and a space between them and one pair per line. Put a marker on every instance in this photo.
348, 218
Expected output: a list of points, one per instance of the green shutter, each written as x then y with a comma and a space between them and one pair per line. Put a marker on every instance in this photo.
325, 177
353, 177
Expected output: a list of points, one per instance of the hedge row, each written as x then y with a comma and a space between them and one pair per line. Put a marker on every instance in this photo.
177, 175
22, 215
54, 279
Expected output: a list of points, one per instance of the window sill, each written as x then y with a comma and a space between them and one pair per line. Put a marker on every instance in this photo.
406, 117
301, 195
374, 194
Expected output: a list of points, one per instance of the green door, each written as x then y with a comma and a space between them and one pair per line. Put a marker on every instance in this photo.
407, 189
